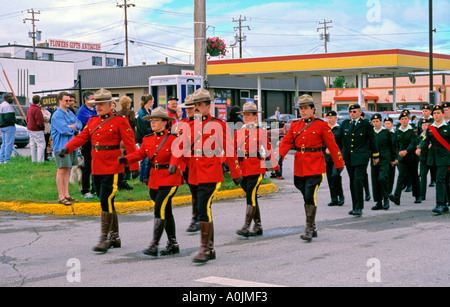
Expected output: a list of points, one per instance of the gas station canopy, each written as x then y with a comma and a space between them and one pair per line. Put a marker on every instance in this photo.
381, 62
330, 64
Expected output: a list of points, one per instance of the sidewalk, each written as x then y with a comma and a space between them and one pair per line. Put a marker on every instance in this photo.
93, 208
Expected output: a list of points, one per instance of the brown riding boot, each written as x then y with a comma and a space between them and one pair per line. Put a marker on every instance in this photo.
249, 213
310, 230
172, 246
114, 238
257, 227
158, 229
205, 233
105, 226
212, 251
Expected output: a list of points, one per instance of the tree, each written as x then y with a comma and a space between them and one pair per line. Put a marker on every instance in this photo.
339, 82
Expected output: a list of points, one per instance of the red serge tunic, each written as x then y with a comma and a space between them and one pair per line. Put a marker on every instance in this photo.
311, 163
247, 142
105, 162
159, 172
203, 142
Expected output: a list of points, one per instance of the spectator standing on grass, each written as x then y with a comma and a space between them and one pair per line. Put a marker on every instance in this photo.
35, 126
142, 129
126, 111
86, 111
64, 125
7, 128
47, 116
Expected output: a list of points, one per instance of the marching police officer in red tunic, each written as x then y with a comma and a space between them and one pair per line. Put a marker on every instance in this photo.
247, 142
163, 186
106, 131
188, 106
309, 136
204, 143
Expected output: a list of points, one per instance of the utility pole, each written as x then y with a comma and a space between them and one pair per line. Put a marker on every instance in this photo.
125, 6
326, 37
431, 96
240, 21
33, 22
200, 39
326, 40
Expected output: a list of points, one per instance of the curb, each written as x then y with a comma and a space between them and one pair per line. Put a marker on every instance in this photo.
93, 209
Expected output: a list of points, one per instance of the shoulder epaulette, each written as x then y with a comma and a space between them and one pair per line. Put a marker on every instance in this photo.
149, 134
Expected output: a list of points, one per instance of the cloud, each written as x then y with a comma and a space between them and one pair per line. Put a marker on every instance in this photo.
164, 28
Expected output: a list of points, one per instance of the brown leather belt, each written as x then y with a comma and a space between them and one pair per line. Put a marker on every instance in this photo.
157, 166
105, 147
306, 149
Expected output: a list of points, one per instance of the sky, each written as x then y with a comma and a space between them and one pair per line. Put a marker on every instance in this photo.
160, 29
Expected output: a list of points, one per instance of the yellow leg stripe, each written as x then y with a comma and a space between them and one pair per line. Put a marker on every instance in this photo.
254, 190
114, 191
166, 200
315, 190
208, 206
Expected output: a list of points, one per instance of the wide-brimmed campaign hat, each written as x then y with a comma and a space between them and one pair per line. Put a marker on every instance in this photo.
305, 100
201, 95
188, 103
249, 107
159, 112
102, 95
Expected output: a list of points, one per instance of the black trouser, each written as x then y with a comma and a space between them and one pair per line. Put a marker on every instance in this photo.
441, 186
405, 171
380, 182
334, 182
205, 194
193, 188
163, 201
250, 184
308, 186
423, 168
447, 184
356, 175
391, 178
86, 171
106, 187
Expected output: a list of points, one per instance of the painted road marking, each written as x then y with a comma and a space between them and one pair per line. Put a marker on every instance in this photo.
234, 282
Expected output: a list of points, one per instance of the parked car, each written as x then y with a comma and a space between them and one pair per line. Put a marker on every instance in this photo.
396, 114
288, 125
284, 118
22, 137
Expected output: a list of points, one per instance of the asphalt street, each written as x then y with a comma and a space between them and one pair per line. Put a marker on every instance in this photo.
403, 246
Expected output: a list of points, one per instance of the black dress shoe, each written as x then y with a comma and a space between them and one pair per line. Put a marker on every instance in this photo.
439, 210
394, 199
432, 184
418, 200
408, 188
357, 212
386, 204
378, 206
367, 197
333, 203
341, 200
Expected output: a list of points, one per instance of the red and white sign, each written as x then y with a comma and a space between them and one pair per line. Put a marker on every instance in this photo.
57, 43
